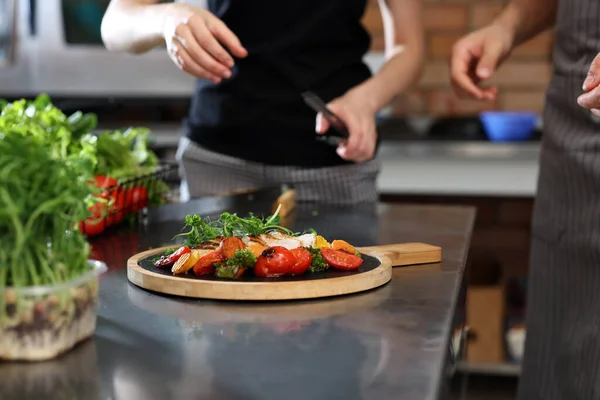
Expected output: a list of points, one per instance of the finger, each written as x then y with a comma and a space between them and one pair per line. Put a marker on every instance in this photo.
352, 147
184, 61
194, 40
593, 78
367, 145
321, 124
590, 99
209, 44
226, 36
490, 92
596, 111
460, 64
489, 60
361, 151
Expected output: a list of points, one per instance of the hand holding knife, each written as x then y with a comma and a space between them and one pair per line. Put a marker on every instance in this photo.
340, 133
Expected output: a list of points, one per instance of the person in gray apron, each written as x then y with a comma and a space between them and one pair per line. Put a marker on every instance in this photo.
248, 126
562, 349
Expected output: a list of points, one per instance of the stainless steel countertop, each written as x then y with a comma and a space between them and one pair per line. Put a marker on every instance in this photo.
388, 343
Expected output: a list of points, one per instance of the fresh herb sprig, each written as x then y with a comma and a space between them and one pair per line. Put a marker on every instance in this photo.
200, 230
233, 225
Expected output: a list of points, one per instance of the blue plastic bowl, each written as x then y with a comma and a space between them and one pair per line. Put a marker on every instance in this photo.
505, 126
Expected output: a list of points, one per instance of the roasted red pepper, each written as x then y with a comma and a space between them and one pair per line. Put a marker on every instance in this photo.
166, 261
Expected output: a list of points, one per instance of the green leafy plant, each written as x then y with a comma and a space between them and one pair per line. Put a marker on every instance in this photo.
43, 196
122, 155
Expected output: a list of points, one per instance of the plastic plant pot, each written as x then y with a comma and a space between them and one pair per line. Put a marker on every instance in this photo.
41, 322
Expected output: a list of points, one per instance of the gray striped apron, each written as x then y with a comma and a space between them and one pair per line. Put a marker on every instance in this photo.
562, 350
206, 173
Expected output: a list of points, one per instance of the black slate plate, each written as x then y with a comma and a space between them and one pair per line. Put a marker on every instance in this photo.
369, 264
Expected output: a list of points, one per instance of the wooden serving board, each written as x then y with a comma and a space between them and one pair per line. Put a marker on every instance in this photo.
375, 271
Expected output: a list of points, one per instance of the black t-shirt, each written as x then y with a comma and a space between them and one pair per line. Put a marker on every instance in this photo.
293, 45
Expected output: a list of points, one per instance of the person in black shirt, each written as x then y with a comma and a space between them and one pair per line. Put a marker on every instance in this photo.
248, 126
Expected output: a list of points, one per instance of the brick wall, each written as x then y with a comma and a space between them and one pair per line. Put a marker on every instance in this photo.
521, 80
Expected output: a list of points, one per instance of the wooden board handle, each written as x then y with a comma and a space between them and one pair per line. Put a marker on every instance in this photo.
287, 200
407, 253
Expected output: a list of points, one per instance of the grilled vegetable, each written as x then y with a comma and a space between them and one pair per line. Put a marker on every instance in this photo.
168, 260
341, 260
344, 246
275, 261
206, 263
303, 261
231, 245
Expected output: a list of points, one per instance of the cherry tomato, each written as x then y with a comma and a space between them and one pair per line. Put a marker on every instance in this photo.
116, 206
341, 260
91, 227
105, 182
274, 261
139, 198
205, 265
230, 245
303, 260
171, 259
136, 198
94, 225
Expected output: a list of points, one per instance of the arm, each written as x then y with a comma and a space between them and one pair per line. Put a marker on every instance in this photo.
526, 18
135, 26
193, 36
404, 49
476, 57
358, 106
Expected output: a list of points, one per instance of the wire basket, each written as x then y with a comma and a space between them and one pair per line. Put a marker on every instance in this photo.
130, 196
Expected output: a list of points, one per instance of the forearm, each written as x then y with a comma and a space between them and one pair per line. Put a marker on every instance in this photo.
135, 26
395, 76
404, 50
527, 18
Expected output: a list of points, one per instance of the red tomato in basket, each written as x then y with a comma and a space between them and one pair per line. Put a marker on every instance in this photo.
303, 260
136, 198
116, 206
105, 182
274, 261
91, 227
341, 260
94, 225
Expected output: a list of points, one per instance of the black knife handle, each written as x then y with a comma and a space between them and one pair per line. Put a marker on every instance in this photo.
315, 102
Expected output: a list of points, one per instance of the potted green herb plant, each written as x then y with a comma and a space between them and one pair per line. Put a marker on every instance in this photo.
48, 287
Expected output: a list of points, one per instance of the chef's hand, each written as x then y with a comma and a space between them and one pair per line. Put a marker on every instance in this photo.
591, 85
359, 118
476, 57
195, 40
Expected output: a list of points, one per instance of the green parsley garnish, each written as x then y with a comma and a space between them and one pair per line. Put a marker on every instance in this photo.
244, 258
318, 263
